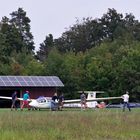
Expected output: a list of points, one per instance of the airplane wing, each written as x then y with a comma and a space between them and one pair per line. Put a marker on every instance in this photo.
10, 98
91, 100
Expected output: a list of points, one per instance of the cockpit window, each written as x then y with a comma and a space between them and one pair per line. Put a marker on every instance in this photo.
91, 95
41, 99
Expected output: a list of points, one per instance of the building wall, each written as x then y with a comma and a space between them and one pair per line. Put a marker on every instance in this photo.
36, 92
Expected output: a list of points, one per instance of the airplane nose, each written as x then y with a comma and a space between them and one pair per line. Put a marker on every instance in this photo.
32, 104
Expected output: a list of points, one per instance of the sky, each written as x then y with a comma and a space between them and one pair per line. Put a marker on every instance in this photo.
55, 16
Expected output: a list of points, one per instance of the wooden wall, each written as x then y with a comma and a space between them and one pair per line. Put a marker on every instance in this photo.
36, 92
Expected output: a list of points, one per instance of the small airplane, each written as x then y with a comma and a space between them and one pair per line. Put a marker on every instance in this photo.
91, 100
47, 103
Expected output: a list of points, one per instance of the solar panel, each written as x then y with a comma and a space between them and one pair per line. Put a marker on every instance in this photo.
16, 84
41, 78
19, 78
34, 78
45, 83
13, 79
30, 81
2, 83
26, 78
38, 83
8, 83
4, 78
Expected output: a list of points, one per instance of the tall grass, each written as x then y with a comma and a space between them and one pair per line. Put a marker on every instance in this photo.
106, 124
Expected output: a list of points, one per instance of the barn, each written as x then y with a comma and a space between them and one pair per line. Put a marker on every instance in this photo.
36, 85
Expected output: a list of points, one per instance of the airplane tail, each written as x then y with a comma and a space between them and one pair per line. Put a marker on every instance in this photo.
92, 94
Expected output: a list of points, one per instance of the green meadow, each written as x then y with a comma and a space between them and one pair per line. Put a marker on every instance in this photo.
99, 124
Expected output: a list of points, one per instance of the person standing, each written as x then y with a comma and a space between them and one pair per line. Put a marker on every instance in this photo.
61, 100
54, 103
126, 101
55, 97
14, 98
26, 98
83, 101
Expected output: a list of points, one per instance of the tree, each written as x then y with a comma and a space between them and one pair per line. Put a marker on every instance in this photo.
81, 36
20, 22
15, 39
111, 22
45, 48
132, 26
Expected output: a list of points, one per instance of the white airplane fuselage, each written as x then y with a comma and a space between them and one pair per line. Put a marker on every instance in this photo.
78, 105
47, 102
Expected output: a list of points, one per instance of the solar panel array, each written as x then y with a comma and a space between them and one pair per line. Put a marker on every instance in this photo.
30, 81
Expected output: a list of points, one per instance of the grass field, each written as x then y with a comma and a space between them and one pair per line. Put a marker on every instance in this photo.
104, 124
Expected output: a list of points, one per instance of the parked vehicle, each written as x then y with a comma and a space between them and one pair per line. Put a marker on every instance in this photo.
132, 105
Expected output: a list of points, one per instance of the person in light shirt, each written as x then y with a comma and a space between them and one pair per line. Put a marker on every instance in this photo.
26, 97
126, 101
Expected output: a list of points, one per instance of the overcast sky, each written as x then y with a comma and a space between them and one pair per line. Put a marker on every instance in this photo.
54, 16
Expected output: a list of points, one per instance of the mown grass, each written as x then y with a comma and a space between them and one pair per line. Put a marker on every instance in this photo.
104, 124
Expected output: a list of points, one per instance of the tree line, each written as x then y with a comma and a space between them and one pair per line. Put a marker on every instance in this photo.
93, 54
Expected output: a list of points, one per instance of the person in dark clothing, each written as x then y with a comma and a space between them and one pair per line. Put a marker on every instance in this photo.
83, 101
55, 97
54, 103
61, 100
14, 98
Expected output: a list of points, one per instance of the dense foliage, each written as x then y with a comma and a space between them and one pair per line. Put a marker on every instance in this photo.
94, 54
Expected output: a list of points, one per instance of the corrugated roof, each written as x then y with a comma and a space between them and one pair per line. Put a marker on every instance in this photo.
30, 81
